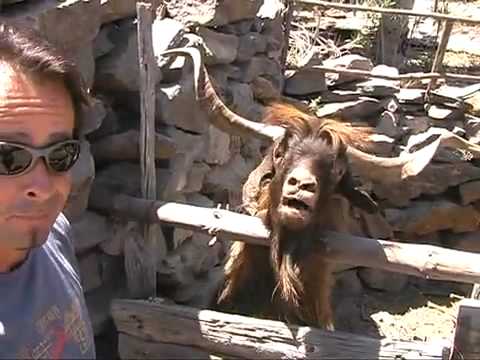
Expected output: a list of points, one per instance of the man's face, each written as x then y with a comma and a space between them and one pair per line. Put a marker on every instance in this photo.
34, 113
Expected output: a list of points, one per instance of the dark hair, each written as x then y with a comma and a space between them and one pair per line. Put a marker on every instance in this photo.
27, 50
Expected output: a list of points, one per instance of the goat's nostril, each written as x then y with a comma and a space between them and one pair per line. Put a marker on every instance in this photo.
292, 181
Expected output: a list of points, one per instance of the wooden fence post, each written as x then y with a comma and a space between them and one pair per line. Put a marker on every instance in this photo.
466, 343
440, 54
141, 255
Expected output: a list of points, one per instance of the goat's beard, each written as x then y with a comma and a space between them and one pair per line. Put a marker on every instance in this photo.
287, 249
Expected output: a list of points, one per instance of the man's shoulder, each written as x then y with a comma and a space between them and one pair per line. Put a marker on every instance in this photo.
60, 240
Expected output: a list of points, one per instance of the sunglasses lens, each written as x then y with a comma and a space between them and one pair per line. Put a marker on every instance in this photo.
64, 156
13, 159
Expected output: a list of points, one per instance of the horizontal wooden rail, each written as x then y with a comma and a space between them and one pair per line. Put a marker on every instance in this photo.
380, 10
426, 261
153, 327
407, 76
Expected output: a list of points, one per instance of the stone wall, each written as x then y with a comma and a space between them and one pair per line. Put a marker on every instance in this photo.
196, 163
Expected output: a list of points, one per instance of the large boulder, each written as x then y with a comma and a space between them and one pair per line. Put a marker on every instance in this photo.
67, 23
213, 12
112, 10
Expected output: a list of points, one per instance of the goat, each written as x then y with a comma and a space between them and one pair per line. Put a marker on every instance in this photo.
293, 191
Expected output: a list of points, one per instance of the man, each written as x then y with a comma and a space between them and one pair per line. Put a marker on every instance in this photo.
42, 309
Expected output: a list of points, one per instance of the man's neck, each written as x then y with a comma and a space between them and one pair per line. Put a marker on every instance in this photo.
11, 258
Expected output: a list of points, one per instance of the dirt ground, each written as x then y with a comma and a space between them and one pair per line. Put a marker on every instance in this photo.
410, 315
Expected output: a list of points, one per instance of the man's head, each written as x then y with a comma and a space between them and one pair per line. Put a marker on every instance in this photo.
40, 106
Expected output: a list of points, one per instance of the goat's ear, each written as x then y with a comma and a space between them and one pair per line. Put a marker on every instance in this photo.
280, 149
357, 197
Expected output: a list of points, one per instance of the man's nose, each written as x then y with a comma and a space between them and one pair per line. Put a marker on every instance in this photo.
39, 182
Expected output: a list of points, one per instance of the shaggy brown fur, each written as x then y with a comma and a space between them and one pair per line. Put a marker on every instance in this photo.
291, 280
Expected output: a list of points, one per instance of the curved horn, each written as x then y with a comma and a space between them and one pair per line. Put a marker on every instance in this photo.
222, 117
408, 164
380, 169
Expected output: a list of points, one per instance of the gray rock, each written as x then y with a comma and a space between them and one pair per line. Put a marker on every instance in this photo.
176, 105
166, 33
260, 65
251, 44
125, 178
380, 87
362, 109
415, 124
472, 129
219, 48
115, 245
110, 123
305, 81
125, 146
467, 241
218, 147
383, 280
434, 179
190, 149
90, 230
113, 10
348, 283
446, 114
389, 125
82, 174
118, 70
271, 9
347, 62
102, 44
68, 24
212, 12
469, 192
240, 97
196, 177
84, 59
89, 271
93, 117
238, 28
424, 217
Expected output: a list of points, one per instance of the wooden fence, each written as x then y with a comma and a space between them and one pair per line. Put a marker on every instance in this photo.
156, 329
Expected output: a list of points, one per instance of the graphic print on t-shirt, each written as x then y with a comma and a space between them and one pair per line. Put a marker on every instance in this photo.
57, 330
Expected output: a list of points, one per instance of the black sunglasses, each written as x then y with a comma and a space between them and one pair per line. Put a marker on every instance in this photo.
17, 159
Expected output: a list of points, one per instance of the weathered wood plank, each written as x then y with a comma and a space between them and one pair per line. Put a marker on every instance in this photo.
441, 50
131, 347
466, 344
381, 10
421, 260
253, 338
403, 77
140, 261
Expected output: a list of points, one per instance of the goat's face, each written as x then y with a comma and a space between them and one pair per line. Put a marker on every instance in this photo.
307, 172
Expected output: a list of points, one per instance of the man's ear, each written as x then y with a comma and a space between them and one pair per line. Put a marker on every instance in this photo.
357, 197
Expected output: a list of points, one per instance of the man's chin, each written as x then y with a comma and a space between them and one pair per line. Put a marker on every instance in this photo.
24, 240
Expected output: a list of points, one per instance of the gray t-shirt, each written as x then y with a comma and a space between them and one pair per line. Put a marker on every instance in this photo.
42, 308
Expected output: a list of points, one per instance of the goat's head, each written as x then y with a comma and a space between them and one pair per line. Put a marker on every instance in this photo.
310, 163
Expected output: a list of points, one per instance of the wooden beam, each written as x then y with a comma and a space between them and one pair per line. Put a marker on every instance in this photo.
466, 343
389, 11
141, 260
407, 76
252, 338
425, 261
440, 53
132, 347
287, 25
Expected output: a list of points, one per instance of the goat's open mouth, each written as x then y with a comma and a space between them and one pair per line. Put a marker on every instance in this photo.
295, 204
